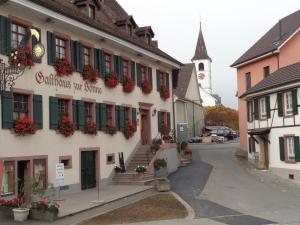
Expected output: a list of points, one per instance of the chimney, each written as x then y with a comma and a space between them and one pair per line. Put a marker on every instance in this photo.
155, 43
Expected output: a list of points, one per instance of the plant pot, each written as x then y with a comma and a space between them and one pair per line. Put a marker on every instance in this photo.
21, 214
140, 174
44, 215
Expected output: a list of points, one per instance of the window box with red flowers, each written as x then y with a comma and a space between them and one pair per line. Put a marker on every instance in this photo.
164, 92
110, 129
111, 80
66, 126
90, 74
63, 67
24, 126
20, 57
91, 128
128, 84
146, 86
129, 130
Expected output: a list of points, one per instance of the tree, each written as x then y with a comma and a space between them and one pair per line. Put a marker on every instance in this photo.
221, 116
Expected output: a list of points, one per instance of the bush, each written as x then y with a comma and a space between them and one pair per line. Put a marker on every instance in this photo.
160, 163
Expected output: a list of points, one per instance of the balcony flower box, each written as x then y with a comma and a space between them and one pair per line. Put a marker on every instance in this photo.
20, 57
128, 84
66, 127
129, 130
63, 67
165, 92
91, 128
24, 126
111, 80
110, 129
90, 74
146, 86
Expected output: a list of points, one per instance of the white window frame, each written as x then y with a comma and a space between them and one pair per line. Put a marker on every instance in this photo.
290, 148
251, 111
262, 108
288, 103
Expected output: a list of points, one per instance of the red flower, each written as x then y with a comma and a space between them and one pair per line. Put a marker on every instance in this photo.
110, 129
63, 67
23, 126
90, 74
128, 84
91, 128
111, 80
146, 86
66, 126
21, 57
129, 131
164, 92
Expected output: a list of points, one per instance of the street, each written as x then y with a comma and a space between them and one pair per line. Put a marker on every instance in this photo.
221, 188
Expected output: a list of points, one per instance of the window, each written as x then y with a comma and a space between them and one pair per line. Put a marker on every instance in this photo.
248, 81
110, 159
63, 107
39, 171
262, 107
8, 179
288, 103
107, 63
86, 56
128, 115
92, 12
250, 111
88, 108
18, 36
201, 66
266, 71
290, 148
163, 79
109, 114
144, 73
20, 106
67, 161
125, 68
60, 48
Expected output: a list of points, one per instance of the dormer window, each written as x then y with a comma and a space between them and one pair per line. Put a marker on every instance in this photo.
148, 39
92, 11
130, 29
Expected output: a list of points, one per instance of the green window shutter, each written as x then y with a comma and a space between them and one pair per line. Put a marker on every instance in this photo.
5, 36
133, 70
169, 120
97, 60
75, 113
103, 116
133, 110
279, 104
281, 148
117, 118
35, 41
168, 80
268, 107
7, 110
120, 65
295, 101
256, 113
51, 48
53, 104
297, 148
139, 75
121, 118
158, 80
102, 64
81, 115
159, 120
150, 75
98, 115
38, 111
79, 59
73, 52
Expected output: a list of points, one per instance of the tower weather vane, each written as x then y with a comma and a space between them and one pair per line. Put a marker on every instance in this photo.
10, 73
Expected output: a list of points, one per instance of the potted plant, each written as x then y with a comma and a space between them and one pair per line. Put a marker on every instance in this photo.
146, 86
110, 129
141, 170
111, 80
118, 169
24, 126
44, 209
66, 126
129, 130
160, 166
21, 213
90, 128
63, 67
164, 92
90, 74
128, 84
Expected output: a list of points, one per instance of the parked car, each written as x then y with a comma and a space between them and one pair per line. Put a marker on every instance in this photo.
196, 140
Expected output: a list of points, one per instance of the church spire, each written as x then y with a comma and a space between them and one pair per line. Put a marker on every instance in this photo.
201, 52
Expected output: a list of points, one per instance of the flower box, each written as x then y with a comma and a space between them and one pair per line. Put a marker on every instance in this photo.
111, 80
146, 86
128, 84
44, 215
90, 74
91, 128
24, 126
164, 92
64, 68
129, 130
110, 129
66, 127
20, 57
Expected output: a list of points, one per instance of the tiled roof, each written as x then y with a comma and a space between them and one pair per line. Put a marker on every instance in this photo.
283, 76
277, 35
201, 51
110, 12
184, 78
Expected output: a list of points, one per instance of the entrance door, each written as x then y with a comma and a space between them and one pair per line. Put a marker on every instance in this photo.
144, 127
88, 170
24, 178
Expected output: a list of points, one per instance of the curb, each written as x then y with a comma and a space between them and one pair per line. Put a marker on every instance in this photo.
191, 212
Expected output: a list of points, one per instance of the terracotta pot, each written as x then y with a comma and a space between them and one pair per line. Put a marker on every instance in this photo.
141, 174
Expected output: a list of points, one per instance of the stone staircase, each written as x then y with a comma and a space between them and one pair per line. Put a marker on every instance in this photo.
142, 157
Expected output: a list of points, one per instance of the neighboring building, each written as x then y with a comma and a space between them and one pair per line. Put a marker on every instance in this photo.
187, 101
202, 64
278, 48
274, 122
101, 40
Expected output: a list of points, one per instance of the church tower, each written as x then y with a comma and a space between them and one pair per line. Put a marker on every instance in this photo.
203, 64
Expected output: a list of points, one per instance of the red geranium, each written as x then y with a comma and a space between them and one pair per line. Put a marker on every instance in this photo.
128, 84
23, 126
129, 131
21, 57
9, 203
91, 128
146, 86
187, 151
66, 126
111, 79
90, 74
63, 67
110, 129
164, 92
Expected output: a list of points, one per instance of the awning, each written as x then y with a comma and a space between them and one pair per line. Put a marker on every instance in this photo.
260, 131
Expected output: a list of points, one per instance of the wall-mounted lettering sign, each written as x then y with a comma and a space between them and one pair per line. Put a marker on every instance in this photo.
58, 82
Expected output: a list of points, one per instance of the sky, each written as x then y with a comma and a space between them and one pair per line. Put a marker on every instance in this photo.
230, 27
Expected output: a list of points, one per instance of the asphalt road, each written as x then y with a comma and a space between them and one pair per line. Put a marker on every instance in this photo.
221, 188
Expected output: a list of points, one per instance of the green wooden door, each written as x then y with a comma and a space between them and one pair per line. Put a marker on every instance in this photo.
88, 170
